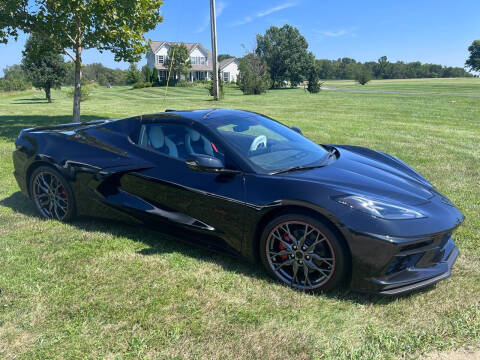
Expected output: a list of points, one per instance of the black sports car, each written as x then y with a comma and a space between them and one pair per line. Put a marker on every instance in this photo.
314, 215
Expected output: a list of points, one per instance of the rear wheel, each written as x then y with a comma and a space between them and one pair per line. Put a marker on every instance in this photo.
303, 253
52, 194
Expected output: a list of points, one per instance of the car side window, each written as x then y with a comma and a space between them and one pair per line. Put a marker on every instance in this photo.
177, 140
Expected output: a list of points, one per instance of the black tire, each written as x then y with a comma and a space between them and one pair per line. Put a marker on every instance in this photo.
52, 194
321, 261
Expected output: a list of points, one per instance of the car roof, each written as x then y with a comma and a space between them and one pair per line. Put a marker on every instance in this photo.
202, 115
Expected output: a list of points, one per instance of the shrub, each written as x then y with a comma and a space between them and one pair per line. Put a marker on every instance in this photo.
254, 77
147, 74
220, 88
133, 75
184, 83
148, 84
314, 85
201, 83
231, 84
14, 84
139, 85
363, 77
155, 79
93, 84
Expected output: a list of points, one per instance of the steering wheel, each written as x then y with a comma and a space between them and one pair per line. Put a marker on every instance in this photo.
259, 140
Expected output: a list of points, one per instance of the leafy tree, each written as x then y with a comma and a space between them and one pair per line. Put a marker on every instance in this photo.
155, 78
253, 77
473, 61
77, 25
133, 75
285, 52
43, 65
363, 76
381, 67
313, 80
147, 73
224, 57
14, 79
179, 61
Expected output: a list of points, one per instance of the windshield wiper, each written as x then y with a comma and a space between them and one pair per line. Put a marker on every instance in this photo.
307, 167
296, 168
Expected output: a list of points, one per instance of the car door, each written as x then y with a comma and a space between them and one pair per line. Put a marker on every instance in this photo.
208, 205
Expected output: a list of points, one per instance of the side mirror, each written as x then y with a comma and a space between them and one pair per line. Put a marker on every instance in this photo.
207, 163
297, 129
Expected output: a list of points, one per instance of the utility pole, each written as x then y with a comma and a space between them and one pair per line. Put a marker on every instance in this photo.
213, 31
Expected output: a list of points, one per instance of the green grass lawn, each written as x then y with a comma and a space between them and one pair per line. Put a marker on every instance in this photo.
97, 289
435, 86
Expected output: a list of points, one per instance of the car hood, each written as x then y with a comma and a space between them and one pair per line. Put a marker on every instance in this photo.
362, 171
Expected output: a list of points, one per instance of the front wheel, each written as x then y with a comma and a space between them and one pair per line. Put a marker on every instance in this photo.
52, 194
303, 253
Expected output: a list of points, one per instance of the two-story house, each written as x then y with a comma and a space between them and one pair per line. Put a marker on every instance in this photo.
200, 58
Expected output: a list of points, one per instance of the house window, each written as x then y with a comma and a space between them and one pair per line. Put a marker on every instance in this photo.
160, 59
161, 75
198, 60
226, 76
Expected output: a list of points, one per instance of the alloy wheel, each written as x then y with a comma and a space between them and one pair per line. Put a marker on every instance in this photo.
300, 255
50, 195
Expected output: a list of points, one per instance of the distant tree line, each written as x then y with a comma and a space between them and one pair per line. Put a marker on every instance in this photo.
16, 77
97, 72
348, 69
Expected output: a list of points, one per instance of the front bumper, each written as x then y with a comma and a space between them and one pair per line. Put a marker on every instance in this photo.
403, 265
417, 277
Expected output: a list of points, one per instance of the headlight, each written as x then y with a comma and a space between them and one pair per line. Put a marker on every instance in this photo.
380, 208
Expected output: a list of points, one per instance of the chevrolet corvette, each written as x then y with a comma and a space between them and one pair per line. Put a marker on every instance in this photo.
315, 215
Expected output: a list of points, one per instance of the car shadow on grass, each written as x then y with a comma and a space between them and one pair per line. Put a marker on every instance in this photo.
11, 125
159, 243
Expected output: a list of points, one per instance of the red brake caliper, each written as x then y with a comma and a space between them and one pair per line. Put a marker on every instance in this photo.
281, 246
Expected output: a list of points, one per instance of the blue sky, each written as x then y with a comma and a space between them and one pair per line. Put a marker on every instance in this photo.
429, 31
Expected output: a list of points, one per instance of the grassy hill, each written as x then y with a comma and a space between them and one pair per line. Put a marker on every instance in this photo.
96, 289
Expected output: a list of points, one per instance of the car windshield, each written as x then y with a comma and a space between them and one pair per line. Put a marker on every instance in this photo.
267, 144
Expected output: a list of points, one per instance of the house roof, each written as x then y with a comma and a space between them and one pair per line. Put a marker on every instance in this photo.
155, 45
226, 62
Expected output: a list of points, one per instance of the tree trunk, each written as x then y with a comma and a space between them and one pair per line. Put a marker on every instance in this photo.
47, 93
78, 83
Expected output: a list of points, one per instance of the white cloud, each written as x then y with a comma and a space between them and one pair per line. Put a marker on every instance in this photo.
275, 9
263, 13
350, 32
220, 6
334, 33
